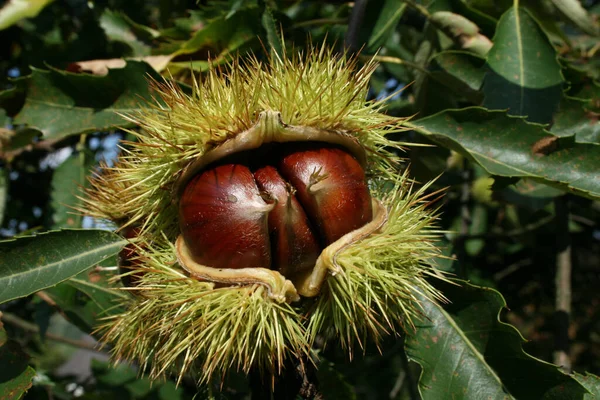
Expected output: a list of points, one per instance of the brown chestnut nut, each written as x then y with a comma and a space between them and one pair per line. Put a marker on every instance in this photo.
277, 213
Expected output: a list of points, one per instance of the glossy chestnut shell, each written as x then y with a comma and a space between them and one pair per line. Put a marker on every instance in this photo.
275, 207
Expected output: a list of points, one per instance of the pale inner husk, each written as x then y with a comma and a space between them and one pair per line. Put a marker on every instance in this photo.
279, 288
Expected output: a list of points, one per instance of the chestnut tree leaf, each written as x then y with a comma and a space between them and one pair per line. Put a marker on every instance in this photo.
524, 75
30, 264
466, 352
511, 147
575, 117
384, 25
67, 180
86, 298
60, 103
591, 382
15, 10
15, 373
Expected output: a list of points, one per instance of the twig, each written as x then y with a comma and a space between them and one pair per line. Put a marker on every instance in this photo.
396, 60
46, 145
465, 219
320, 21
563, 284
30, 327
410, 380
356, 18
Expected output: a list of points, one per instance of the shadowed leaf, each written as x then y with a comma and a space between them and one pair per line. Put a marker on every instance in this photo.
15, 373
524, 75
60, 103
467, 353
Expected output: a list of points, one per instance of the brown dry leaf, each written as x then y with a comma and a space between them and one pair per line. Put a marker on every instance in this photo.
101, 67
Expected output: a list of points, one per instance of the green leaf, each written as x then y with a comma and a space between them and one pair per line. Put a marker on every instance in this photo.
574, 118
524, 75
385, 25
574, 12
332, 384
118, 28
30, 264
511, 147
591, 382
16, 10
15, 373
467, 353
60, 103
461, 66
273, 36
67, 181
221, 37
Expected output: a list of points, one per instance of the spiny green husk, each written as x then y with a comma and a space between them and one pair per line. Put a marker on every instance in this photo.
177, 321
318, 89
179, 325
376, 287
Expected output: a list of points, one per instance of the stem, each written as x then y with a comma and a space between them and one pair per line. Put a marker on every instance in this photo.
320, 21
298, 379
30, 327
356, 18
410, 380
396, 60
465, 220
563, 284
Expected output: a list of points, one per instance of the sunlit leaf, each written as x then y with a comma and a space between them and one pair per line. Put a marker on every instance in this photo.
29, 264
16, 10
511, 147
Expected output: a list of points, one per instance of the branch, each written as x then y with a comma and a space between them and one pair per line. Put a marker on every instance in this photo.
30, 327
563, 284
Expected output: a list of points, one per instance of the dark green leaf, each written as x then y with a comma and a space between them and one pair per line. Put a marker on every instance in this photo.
511, 147
15, 373
575, 118
67, 181
60, 103
221, 36
29, 264
273, 36
460, 71
524, 75
389, 15
332, 384
118, 27
467, 353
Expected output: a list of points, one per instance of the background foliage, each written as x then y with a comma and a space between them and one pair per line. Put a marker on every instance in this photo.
508, 91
